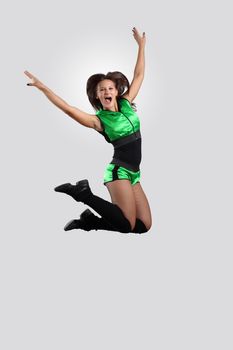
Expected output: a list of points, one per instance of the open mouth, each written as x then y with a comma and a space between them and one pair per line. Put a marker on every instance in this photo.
108, 99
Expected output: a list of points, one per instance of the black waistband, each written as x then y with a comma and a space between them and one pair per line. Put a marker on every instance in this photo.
126, 139
125, 164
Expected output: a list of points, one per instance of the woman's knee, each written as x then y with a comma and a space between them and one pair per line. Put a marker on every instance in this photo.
148, 226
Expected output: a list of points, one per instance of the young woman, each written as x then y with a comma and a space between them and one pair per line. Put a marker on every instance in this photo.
112, 97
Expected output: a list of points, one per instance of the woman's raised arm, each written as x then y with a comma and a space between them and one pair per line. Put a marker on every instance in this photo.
139, 67
86, 119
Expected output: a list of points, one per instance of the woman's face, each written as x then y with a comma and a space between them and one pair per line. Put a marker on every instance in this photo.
106, 93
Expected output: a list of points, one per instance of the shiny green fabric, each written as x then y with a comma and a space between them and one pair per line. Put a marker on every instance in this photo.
122, 174
119, 124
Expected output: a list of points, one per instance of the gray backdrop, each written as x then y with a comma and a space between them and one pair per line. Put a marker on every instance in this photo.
167, 289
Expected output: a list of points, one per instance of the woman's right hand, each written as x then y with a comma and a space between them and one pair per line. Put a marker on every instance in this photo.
34, 81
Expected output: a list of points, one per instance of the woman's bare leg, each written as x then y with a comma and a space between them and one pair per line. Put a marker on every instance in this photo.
143, 211
121, 192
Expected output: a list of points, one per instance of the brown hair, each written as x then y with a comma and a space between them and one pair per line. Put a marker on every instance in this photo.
120, 81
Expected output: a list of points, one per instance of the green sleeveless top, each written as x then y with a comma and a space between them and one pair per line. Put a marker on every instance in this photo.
119, 124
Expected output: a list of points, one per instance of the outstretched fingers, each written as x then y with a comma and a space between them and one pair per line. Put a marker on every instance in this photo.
28, 74
34, 80
139, 38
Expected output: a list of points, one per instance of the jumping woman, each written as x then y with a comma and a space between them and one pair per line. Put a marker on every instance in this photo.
116, 119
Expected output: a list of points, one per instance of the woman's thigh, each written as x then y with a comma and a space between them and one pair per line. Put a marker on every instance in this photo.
122, 194
142, 205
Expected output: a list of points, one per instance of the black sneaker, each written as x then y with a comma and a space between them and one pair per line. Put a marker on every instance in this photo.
71, 225
86, 222
79, 192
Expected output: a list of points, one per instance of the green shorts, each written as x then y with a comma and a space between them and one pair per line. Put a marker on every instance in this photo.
115, 172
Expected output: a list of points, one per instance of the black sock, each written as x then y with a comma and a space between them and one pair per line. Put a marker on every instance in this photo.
139, 227
110, 212
102, 224
89, 221
93, 222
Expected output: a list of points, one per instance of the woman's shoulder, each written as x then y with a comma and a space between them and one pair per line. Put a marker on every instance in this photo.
125, 99
125, 102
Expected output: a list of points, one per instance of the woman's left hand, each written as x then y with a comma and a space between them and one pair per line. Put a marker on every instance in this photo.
141, 39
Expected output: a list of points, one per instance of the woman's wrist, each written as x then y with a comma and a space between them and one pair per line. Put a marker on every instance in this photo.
141, 46
43, 87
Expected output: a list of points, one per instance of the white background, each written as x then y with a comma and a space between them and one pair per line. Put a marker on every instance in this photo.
170, 288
